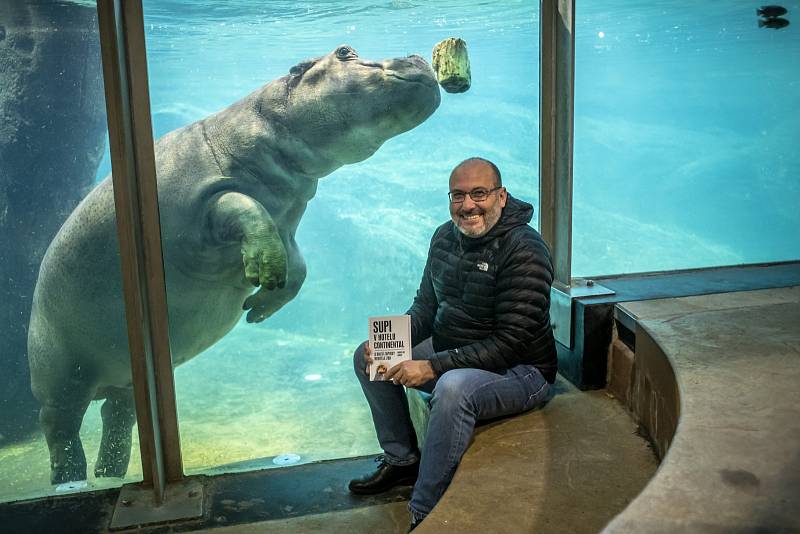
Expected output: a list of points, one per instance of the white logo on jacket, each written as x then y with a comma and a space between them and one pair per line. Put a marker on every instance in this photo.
483, 266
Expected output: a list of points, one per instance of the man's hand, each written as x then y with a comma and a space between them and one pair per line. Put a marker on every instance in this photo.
367, 355
411, 373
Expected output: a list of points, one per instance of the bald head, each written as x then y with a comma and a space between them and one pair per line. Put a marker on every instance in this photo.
478, 164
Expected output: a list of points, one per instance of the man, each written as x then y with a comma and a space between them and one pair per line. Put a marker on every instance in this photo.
483, 343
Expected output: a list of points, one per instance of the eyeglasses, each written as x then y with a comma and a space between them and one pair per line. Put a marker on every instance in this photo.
478, 194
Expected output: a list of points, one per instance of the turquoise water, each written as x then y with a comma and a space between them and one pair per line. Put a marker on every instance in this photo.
684, 117
685, 136
685, 156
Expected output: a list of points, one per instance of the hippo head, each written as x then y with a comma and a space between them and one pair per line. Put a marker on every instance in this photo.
345, 107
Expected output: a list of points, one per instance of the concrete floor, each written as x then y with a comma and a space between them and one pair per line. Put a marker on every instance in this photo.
570, 467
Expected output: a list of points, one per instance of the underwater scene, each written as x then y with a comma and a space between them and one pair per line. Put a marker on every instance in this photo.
684, 158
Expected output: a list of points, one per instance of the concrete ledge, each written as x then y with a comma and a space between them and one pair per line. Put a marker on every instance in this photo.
729, 365
569, 467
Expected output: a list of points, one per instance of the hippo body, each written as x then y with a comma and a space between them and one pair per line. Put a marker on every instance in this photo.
232, 190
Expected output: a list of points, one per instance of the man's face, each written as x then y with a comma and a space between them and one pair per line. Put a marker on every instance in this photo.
472, 218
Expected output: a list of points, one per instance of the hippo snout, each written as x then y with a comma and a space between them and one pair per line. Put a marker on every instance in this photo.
419, 62
412, 68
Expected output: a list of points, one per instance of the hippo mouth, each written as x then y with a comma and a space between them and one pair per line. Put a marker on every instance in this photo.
413, 78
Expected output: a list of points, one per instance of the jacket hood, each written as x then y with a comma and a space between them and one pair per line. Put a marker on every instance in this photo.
516, 213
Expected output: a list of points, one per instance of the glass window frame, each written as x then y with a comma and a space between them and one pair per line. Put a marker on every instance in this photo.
133, 164
130, 131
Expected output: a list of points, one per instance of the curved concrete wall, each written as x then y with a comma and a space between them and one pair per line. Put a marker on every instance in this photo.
729, 364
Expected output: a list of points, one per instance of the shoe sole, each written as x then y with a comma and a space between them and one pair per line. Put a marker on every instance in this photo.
402, 482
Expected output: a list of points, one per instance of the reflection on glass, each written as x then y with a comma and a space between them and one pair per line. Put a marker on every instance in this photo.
52, 118
685, 137
307, 155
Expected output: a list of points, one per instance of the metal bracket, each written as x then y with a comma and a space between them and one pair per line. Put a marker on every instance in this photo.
561, 299
136, 505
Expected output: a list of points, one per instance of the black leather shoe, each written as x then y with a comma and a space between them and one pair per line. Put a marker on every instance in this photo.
385, 477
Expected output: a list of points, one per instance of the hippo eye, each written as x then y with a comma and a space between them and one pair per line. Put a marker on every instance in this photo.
345, 52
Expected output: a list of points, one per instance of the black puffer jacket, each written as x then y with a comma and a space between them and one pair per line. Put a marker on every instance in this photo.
486, 300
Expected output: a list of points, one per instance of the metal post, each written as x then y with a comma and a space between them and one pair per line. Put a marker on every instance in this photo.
556, 109
556, 77
138, 227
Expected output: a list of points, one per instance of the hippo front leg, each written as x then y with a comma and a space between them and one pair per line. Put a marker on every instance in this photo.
239, 218
264, 302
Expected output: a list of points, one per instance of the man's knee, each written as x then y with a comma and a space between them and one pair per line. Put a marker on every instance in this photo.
452, 391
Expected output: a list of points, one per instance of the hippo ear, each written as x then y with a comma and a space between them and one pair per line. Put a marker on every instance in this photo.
302, 67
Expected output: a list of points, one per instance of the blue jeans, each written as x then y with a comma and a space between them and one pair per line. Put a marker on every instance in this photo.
460, 398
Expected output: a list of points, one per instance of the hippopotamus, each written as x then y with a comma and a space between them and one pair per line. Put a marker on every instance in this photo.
232, 189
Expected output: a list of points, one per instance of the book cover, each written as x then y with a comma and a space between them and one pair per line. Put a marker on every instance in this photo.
390, 342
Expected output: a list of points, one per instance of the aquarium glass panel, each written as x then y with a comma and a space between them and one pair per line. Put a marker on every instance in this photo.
59, 285
685, 136
322, 152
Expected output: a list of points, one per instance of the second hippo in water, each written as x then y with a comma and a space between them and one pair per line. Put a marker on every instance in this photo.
232, 190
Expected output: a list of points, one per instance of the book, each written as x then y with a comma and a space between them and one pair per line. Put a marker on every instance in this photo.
390, 342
